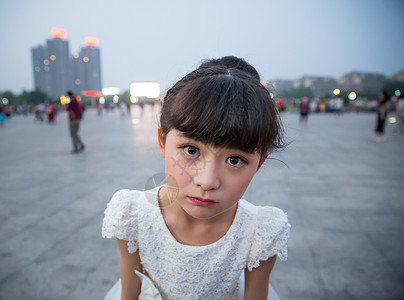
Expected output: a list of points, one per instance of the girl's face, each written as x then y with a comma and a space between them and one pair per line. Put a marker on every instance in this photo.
210, 180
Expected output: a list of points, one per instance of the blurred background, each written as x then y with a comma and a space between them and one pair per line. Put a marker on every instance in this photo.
342, 191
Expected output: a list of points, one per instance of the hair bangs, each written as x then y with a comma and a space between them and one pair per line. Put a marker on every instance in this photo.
225, 111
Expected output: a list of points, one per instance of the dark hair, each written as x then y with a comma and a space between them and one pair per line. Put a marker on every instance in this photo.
386, 96
232, 62
224, 108
70, 93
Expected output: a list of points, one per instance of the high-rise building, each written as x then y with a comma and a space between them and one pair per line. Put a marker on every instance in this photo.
319, 85
59, 69
40, 59
398, 76
279, 86
361, 82
87, 66
56, 71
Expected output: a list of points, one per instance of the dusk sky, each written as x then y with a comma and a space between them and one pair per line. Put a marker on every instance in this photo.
163, 40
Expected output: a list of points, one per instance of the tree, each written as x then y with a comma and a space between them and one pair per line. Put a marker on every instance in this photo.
36, 96
8, 95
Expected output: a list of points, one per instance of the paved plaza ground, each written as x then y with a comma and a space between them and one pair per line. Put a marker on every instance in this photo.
342, 191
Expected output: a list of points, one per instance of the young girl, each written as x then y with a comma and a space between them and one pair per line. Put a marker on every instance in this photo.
195, 237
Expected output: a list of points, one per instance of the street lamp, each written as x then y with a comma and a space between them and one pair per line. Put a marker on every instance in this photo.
352, 96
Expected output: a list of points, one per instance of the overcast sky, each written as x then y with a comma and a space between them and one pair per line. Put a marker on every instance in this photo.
162, 40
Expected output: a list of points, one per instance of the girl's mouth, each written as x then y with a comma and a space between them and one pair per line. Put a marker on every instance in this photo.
202, 201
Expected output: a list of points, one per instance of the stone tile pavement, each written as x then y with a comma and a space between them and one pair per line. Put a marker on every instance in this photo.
343, 194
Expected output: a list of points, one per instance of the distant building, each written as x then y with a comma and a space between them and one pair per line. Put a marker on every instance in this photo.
40, 60
56, 71
398, 76
361, 82
279, 86
59, 69
320, 86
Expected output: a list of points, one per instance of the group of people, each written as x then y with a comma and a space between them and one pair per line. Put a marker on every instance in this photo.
382, 110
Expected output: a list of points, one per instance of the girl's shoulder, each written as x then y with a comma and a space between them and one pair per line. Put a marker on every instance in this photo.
271, 232
265, 214
121, 216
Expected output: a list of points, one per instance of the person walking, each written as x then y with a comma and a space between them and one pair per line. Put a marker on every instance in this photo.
74, 108
381, 115
304, 110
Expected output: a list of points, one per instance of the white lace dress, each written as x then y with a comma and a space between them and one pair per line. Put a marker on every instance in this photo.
179, 271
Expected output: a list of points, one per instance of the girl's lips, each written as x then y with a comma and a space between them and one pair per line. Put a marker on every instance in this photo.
202, 201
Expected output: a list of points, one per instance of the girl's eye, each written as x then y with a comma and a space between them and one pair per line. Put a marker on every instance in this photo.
191, 150
235, 161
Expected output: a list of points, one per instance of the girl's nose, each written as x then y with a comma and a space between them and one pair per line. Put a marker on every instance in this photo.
207, 176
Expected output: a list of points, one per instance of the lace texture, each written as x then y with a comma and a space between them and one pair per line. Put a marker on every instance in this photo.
120, 218
195, 272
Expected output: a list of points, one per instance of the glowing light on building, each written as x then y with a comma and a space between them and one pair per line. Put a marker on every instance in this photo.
91, 93
77, 81
53, 57
5, 101
115, 99
46, 62
397, 93
336, 92
76, 55
133, 99
85, 59
91, 41
102, 100
111, 91
58, 33
145, 89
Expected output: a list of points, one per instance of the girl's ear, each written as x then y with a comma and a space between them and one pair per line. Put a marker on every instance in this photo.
161, 143
262, 161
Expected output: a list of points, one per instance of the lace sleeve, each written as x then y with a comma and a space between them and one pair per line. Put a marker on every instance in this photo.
120, 218
271, 236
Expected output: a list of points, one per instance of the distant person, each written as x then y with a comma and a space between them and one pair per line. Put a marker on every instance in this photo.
51, 113
122, 108
99, 108
304, 109
281, 105
339, 106
400, 113
37, 112
381, 111
128, 107
75, 109
313, 106
3, 116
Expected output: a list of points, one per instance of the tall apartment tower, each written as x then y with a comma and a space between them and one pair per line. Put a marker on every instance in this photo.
56, 71
86, 67
59, 70
40, 59
51, 64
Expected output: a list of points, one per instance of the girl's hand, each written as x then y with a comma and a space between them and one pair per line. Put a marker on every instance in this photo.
257, 280
129, 263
